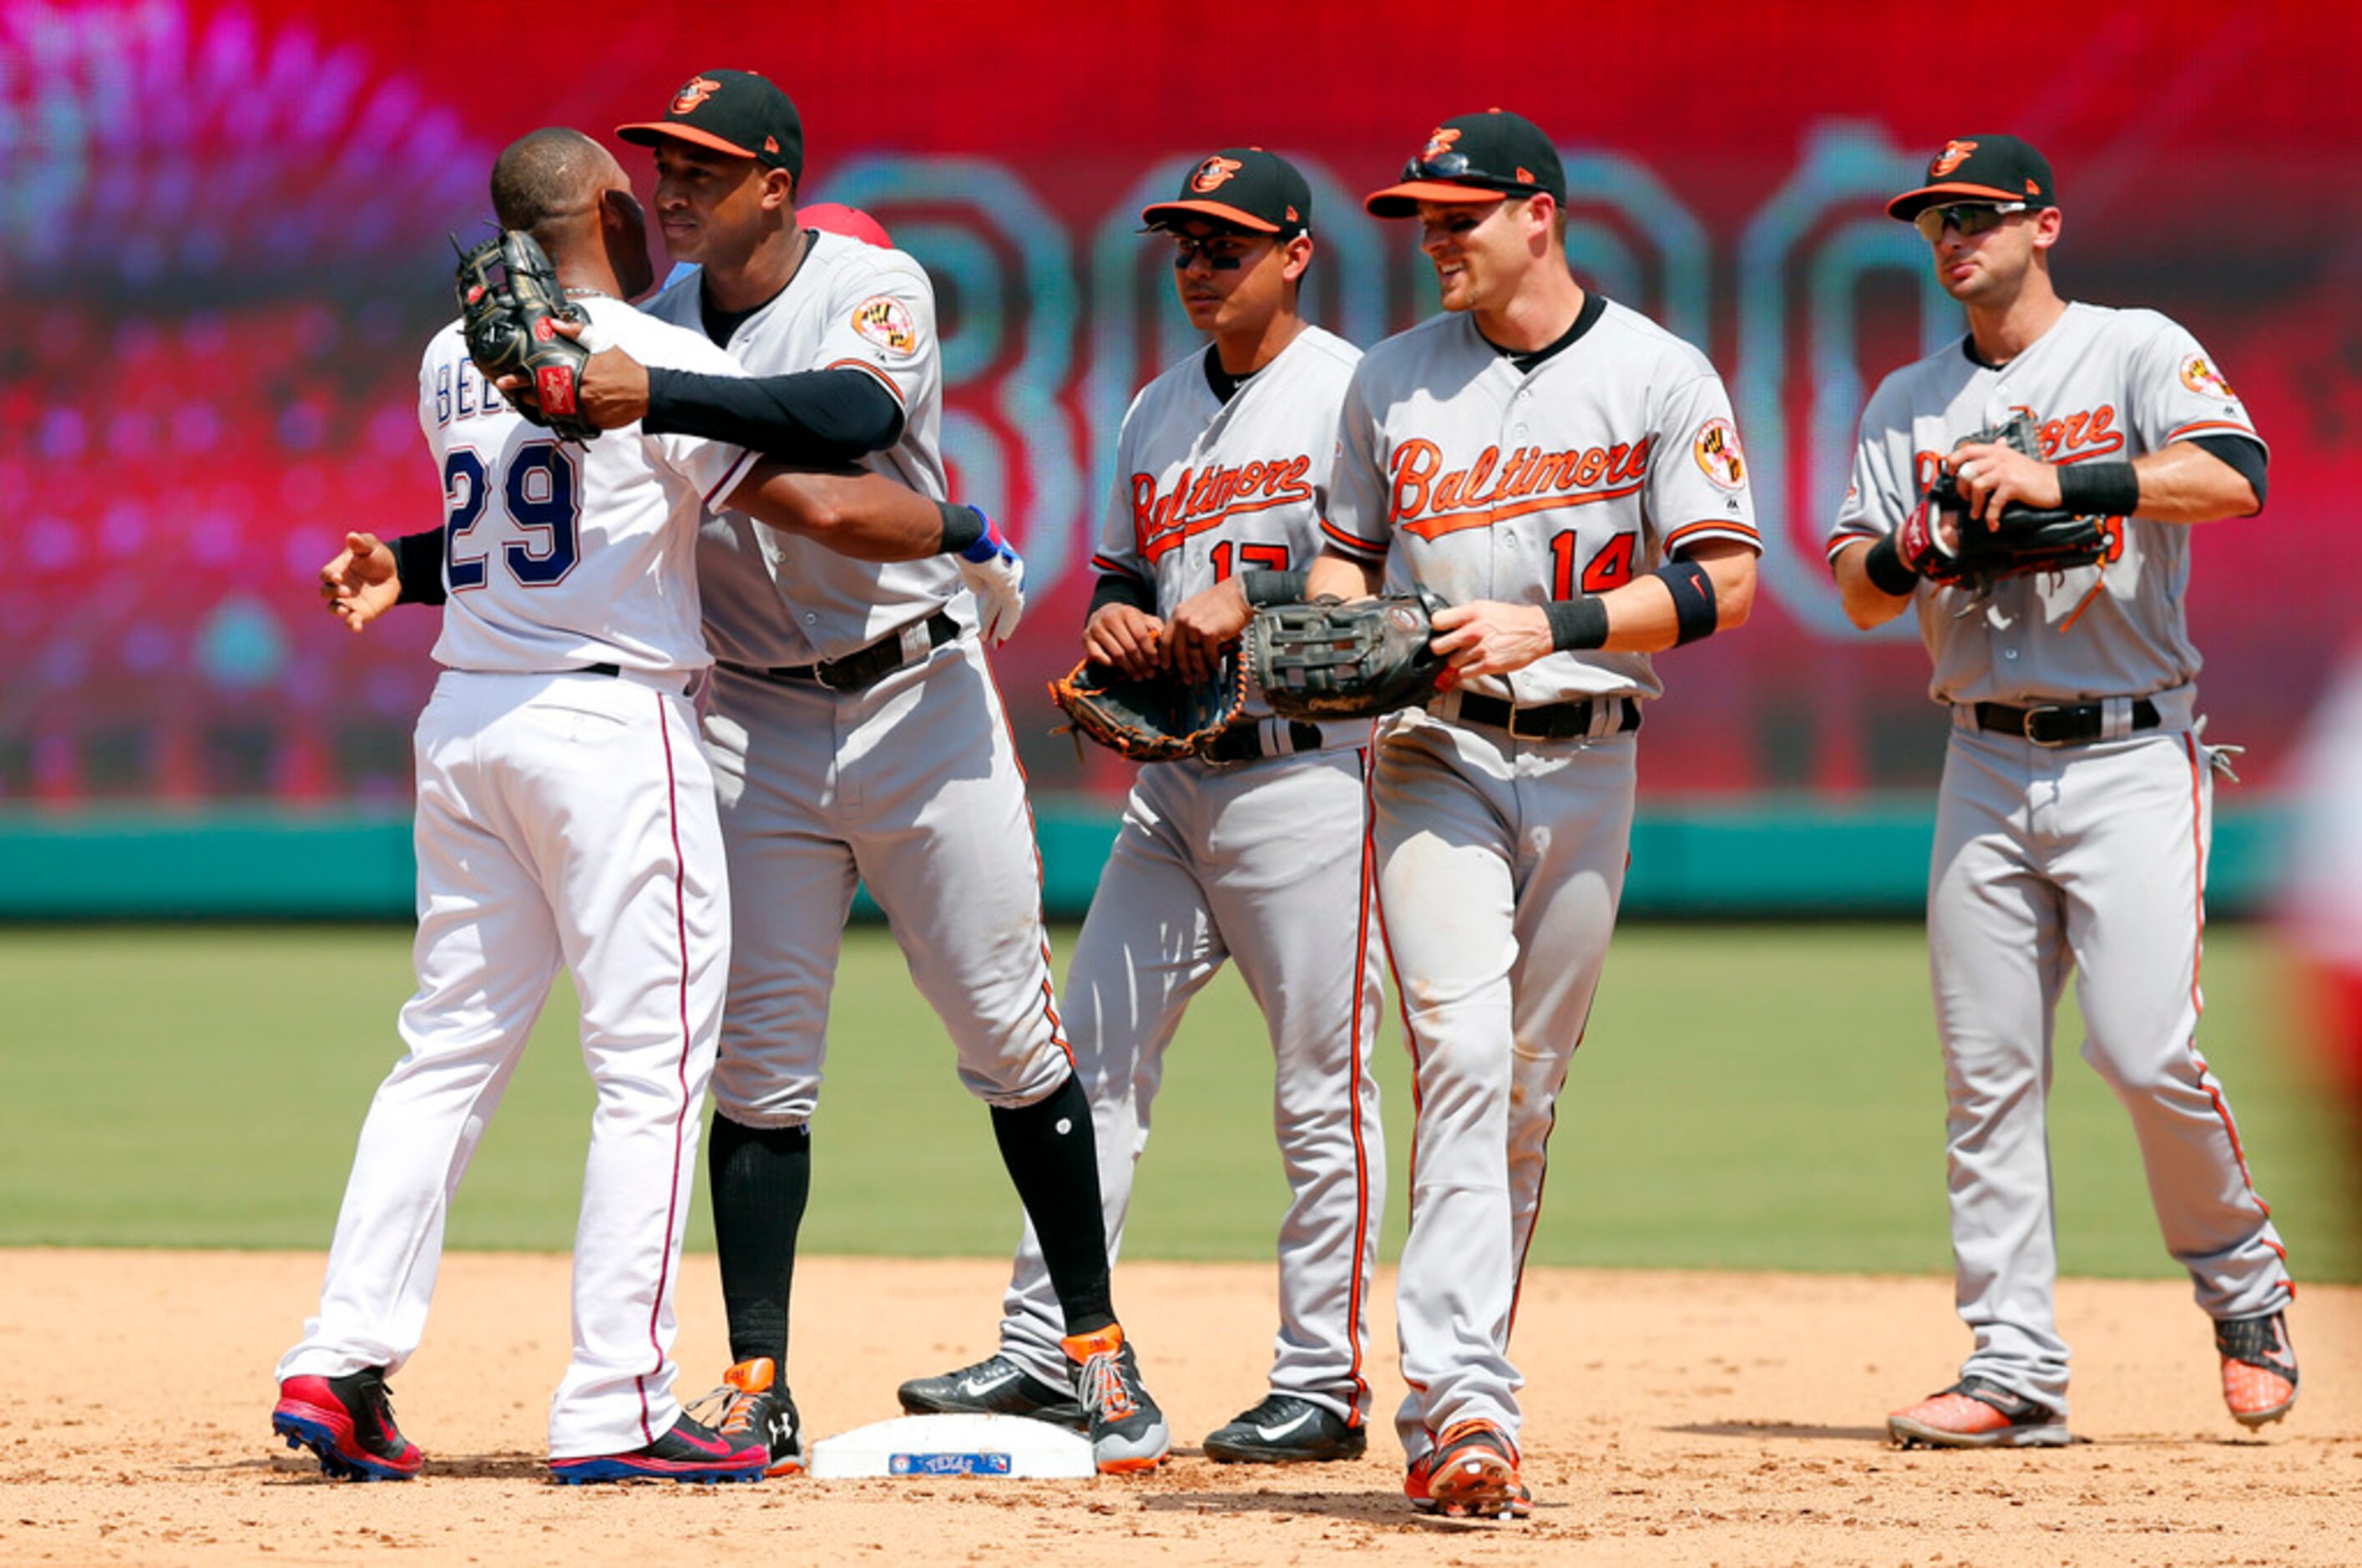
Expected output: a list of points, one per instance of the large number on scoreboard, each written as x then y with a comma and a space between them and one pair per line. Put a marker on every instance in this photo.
540, 492
1253, 557
1609, 565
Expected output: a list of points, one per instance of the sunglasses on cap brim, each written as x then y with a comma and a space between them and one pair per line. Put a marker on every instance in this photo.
1453, 168
1971, 219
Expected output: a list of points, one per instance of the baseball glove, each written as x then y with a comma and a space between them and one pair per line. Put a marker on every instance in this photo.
1159, 719
2025, 539
509, 302
1333, 659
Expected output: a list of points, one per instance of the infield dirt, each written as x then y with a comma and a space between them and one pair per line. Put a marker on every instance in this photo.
1671, 1417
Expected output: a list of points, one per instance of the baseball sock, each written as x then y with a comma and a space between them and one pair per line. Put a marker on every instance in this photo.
1053, 1160
761, 1177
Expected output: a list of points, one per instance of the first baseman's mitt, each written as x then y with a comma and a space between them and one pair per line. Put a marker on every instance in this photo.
1156, 720
2025, 539
509, 304
1333, 659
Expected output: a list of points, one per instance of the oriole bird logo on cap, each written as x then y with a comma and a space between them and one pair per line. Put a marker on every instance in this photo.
1214, 174
1955, 153
1438, 142
700, 88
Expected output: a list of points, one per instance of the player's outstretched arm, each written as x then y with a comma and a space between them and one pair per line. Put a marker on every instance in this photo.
866, 516
362, 581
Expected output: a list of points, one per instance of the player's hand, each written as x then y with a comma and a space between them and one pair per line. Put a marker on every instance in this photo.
1992, 475
614, 388
1488, 637
995, 573
1129, 638
1203, 627
362, 581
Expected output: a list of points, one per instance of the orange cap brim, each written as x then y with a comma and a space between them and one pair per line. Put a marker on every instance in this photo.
654, 131
1150, 215
1403, 200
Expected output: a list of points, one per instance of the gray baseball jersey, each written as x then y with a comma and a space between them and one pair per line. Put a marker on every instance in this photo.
1259, 862
2089, 858
910, 786
1500, 860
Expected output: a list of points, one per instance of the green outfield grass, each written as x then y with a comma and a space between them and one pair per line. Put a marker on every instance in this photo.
1754, 1097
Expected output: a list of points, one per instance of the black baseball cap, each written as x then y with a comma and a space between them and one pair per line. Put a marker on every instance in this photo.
1243, 186
734, 112
1475, 158
1980, 167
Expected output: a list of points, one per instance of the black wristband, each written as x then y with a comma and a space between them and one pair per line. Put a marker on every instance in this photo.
963, 526
1577, 623
1884, 567
2099, 489
1263, 586
1695, 615
418, 562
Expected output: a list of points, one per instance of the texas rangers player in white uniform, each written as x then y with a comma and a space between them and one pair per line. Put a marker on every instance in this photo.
2073, 824
1530, 456
1259, 856
856, 735
565, 818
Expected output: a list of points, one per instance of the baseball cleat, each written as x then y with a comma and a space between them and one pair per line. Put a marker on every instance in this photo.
753, 1406
1471, 1472
993, 1386
1126, 1430
1285, 1429
348, 1422
1976, 1412
2258, 1367
689, 1450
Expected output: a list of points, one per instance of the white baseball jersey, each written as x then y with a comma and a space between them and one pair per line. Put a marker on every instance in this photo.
2102, 385
537, 581
849, 305
1206, 489
1476, 479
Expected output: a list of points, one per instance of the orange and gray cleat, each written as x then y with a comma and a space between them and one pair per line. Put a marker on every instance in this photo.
1127, 1429
1976, 1412
1471, 1472
2258, 1367
752, 1405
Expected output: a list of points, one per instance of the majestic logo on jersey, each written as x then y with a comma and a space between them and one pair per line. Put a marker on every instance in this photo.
1431, 501
2199, 375
1202, 498
1214, 174
1716, 448
886, 322
700, 88
1955, 153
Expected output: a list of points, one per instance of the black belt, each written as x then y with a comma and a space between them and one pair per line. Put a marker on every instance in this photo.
1243, 741
862, 667
2058, 723
1550, 721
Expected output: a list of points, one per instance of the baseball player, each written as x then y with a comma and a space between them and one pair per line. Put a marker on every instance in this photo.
565, 817
856, 735
1566, 474
1257, 854
2072, 827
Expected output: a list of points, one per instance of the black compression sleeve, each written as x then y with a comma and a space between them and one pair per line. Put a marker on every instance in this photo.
1123, 588
1052, 1156
761, 1179
418, 558
1264, 586
814, 417
2242, 454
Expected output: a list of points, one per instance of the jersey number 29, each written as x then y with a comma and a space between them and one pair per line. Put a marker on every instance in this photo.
540, 495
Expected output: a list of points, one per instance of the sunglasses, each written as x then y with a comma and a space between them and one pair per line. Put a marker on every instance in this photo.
1971, 219
1455, 168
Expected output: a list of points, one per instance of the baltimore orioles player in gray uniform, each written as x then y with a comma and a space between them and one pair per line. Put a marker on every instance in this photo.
565, 817
1566, 474
2073, 824
856, 735
1258, 854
